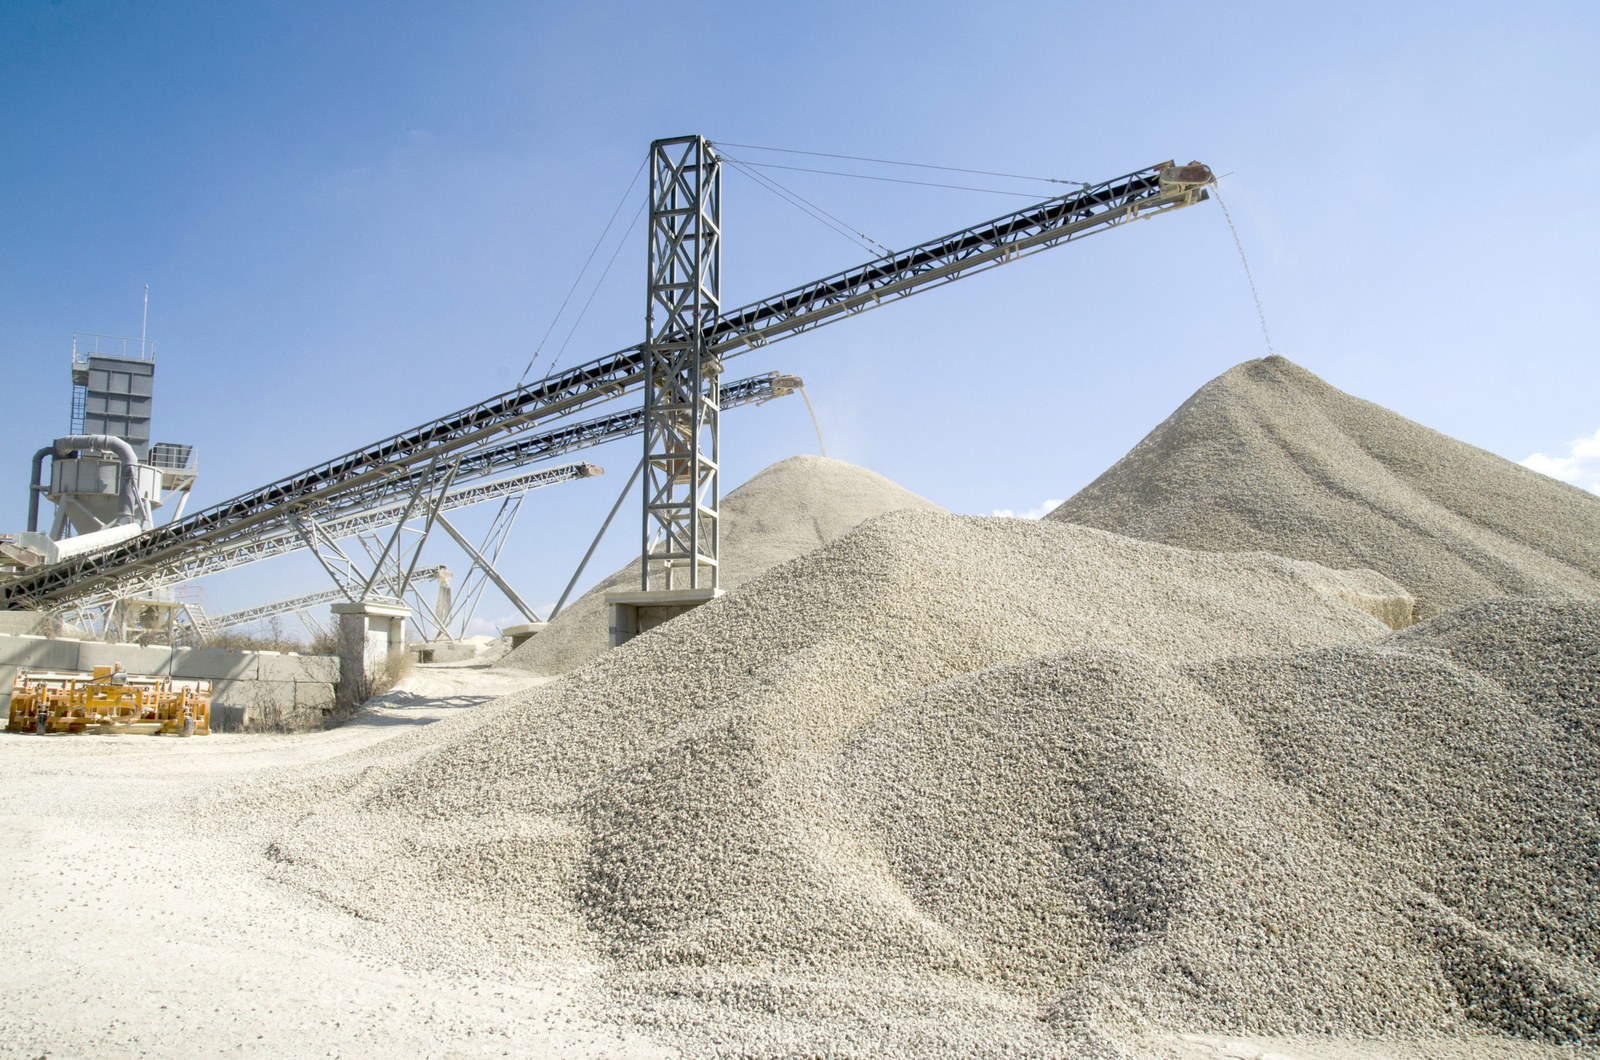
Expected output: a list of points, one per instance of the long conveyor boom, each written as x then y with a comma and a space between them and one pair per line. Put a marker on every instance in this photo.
353, 511
1155, 189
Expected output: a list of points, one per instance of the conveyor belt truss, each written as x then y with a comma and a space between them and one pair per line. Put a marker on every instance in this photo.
1153, 190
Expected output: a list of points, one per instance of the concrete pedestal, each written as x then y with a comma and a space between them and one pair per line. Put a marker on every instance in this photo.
369, 632
635, 612
523, 632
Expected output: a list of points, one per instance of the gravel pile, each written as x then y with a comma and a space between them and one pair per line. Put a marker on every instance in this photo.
1267, 456
976, 785
1364, 840
785, 511
960, 786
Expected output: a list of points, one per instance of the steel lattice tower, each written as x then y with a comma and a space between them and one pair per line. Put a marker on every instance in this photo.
681, 488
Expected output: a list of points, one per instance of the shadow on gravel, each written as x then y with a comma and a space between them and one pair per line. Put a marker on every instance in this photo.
378, 712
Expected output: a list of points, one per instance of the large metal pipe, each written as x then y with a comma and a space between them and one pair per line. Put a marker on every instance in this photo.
131, 504
36, 487
92, 541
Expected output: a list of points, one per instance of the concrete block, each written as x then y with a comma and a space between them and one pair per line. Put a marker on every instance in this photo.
39, 653
313, 697
134, 659
239, 694
270, 666
266, 704
215, 664
226, 718
251, 693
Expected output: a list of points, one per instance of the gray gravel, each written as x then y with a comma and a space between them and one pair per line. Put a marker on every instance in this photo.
962, 786
1267, 456
886, 781
785, 511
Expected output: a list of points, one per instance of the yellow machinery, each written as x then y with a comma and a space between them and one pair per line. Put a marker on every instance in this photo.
108, 701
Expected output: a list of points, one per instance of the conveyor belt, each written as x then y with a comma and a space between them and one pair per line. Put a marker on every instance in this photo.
438, 442
346, 513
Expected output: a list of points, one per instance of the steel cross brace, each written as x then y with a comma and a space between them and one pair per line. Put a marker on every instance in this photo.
483, 569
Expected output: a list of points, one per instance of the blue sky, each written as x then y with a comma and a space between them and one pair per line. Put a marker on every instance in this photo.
356, 217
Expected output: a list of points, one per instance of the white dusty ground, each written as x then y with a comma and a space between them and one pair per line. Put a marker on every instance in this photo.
125, 930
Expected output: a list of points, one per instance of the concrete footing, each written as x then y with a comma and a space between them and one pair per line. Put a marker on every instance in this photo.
443, 651
635, 612
523, 632
369, 632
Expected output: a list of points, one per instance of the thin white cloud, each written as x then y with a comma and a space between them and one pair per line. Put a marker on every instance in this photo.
1581, 465
1038, 512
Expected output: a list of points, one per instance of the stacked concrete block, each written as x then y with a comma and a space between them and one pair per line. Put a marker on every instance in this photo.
262, 704
32, 653
215, 664
315, 699
38, 653
274, 666
134, 658
312, 679
268, 689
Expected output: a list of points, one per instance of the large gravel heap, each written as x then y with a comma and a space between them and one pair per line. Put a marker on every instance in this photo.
786, 511
962, 786
1267, 456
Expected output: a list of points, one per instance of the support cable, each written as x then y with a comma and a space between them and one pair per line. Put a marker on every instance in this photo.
901, 180
806, 206
597, 285
916, 165
579, 278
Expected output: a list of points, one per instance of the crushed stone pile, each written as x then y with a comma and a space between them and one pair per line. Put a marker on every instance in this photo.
1364, 840
953, 785
1268, 456
787, 510
1299, 741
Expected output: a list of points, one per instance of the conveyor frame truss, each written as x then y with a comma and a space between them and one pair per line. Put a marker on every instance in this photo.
299, 605
351, 482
